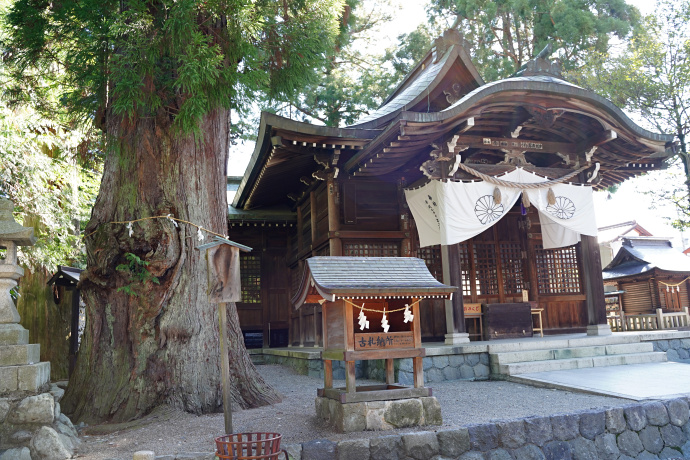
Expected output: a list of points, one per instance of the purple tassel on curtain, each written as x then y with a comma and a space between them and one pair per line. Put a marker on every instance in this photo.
523, 210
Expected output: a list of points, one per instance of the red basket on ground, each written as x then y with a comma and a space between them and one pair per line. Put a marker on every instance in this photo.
249, 446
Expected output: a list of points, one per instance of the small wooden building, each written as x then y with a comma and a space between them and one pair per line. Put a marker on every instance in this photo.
651, 275
370, 309
320, 191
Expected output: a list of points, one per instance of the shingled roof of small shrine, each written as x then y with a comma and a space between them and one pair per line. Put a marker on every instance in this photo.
369, 276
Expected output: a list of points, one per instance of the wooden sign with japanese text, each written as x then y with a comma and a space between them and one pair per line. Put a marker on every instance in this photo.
382, 340
472, 309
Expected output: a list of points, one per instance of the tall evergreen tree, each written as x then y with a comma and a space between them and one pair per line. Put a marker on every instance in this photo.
651, 78
160, 78
506, 34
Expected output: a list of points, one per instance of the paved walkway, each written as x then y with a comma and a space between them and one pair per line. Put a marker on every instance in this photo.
636, 381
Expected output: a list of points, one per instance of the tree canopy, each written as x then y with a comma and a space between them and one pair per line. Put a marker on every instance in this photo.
50, 170
185, 57
506, 34
651, 78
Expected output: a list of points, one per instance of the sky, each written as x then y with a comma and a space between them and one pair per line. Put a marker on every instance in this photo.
628, 203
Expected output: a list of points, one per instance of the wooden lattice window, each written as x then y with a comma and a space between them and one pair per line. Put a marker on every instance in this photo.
557, 271
371, 249
511, 268
432, 256
485, 266
464, 255
250, 275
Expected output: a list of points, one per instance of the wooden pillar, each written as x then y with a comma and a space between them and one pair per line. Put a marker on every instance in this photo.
390, 372
334, 242
74, 330
350, 385
312, 214
594, 287
301, 327
225, 363
300, 225
418, 372
455, 312
316, 327
327, 373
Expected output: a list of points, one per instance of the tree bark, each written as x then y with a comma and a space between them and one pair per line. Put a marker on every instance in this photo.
161, 345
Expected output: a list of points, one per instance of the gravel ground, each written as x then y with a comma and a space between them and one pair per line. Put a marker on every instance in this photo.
462, 403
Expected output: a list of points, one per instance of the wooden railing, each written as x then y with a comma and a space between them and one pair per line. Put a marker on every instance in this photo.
660, 320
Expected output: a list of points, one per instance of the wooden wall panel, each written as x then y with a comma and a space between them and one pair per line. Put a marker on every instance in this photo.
563, 313
306, 224
321, 212
637, 299
432, 319
370, 206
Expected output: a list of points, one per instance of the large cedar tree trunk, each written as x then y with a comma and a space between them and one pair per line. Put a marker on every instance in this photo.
160, 346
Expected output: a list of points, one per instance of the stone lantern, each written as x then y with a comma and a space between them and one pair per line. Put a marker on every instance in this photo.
31, 425
11, 235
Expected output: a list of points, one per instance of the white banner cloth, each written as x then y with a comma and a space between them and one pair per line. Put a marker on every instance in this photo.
451, 212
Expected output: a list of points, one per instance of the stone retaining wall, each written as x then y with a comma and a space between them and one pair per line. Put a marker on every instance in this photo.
656, 430
467, 366
676, 349
639, 431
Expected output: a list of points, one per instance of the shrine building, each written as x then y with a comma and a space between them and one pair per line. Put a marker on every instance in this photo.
489, 183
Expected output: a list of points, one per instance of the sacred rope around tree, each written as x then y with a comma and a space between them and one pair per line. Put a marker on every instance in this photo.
174, 220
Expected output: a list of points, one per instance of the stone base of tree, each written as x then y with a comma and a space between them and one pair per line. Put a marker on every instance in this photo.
379, 415
33, 428
31, 424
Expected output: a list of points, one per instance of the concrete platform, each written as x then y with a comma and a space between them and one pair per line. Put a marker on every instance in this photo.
634, 381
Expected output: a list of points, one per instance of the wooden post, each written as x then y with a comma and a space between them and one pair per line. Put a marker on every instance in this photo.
660, 319
327, 373
455, 311
418, 372
225, 364
301, 327
390, 372
74, 330
594, 287
224, 286
350, 385
335, 244
312, 214
316, 327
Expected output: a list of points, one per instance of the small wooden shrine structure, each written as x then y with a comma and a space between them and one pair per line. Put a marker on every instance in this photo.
324, 191
67, 278
370, 310
649, 273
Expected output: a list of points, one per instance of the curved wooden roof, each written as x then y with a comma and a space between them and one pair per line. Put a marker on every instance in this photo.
442, 109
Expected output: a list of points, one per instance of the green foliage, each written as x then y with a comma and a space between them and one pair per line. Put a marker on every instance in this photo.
175, 58
360, 73
651, 78
136, 268
50, 191
506, 34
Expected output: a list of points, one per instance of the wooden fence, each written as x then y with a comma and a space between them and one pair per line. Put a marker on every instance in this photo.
674, 320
